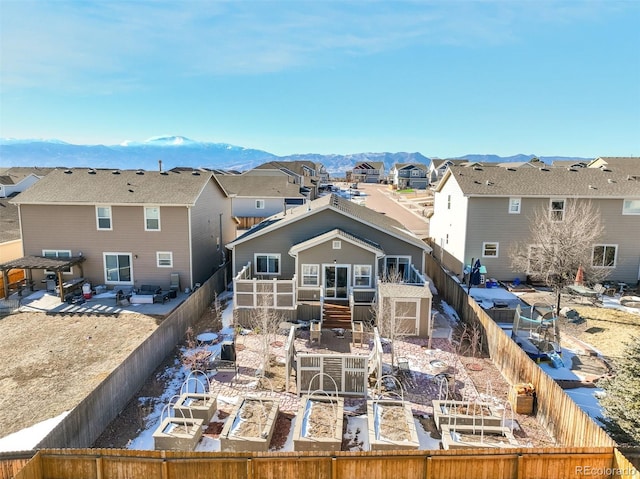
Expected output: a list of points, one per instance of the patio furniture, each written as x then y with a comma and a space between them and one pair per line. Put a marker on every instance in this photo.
174, 285
149, 294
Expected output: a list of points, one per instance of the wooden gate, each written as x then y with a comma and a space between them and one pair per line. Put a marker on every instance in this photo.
327, 371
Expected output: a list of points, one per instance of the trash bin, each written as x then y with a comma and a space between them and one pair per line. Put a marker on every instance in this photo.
86, 290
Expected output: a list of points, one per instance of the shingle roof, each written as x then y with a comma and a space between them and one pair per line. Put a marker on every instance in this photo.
625, 163
337, 232
9, 223
15, 174
343, 205
260, 186
566, 182
88, 186
362, 165
420, 166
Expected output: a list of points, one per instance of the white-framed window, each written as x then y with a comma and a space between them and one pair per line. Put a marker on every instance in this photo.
604, 255
152, 218
103, 217
362, 275
164, 259
117, 268
631, 207
267, 263
336, 244
259, 204
556, 209
57, 254
415, 172
514, 205
310, 274
397, 267
490, 249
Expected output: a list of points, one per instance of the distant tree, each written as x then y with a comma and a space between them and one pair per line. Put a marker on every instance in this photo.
561, 241
621, 403
265, 321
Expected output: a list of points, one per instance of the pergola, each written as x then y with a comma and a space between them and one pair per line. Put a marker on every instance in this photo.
56, 265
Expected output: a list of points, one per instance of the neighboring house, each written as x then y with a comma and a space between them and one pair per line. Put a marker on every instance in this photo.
131, 227
367, 172
302, 172
326, 255
616, 162
438, 167
482, 212
410, 175
258, 194
18, 178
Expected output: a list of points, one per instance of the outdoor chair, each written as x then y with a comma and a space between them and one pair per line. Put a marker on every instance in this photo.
175, 282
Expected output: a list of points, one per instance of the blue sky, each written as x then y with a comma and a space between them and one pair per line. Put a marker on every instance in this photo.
444, 78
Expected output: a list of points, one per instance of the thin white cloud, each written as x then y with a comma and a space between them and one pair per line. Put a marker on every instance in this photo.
111, 46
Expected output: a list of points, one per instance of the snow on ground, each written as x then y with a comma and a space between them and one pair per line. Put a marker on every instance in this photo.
28, 438
587, 398
427, 443
357, 433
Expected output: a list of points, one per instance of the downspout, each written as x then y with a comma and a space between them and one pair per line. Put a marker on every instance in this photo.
190, 247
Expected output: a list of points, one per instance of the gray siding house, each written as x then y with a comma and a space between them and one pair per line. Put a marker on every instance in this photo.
481, 212
131, 227
331, 253
410, 175
367, 172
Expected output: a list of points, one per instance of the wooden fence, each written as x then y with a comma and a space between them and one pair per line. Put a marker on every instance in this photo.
556, 411
12, 462
15, 275
520, 463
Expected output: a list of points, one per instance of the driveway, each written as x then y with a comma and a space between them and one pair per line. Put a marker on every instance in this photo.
380, 198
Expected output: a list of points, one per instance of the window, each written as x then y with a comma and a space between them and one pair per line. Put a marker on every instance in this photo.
556, 209
362, 275
57, 254
117, 267
397, 267
164, 259
152, 218
490, 250
267, 263
448, 202
259, 204
631, 207
337, 244
514, 205
415, 172
604, 255
103, 217
310, 274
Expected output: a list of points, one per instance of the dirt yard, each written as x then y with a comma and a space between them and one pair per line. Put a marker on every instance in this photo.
51, 362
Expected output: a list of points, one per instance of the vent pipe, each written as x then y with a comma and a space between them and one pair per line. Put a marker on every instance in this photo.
160, 166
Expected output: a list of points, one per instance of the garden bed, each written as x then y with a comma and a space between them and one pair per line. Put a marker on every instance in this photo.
177, 434
198, 405
391, 425
319, 425
468, 437
250, 425
465, 413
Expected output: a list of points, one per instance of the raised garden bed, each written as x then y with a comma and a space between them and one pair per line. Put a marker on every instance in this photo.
201, 405
319, 424
250, 425
391, 425
470, 437
178, 434
465, 413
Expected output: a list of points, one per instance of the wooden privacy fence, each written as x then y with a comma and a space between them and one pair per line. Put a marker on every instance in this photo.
15, 276
520, 463
556, 411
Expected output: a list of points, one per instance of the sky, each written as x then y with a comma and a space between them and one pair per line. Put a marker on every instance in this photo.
443, 78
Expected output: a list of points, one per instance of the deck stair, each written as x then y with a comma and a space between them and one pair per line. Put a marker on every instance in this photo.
336, 316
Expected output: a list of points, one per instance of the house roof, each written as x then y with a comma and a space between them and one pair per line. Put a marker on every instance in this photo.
9, 222
101, 186
337, 233
627, 163
420, 166
399, 290
437, 162
546, 181
340, 205
369, 165
260, 186
15, 174
298, 167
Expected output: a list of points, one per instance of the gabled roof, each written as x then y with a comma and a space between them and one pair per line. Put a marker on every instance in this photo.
340, 205
258, 186
15, 174
410, 166
337, 233
628, 163
438, 163
545, 182
369, 165
127, 187
298, 167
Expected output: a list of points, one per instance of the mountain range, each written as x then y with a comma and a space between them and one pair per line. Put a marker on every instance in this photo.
180, 151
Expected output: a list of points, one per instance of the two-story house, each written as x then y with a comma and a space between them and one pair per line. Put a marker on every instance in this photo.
258, 194
331, 253
410, 175
481, 212
302, 172
367, 172
130, 227
438, 167
18, 178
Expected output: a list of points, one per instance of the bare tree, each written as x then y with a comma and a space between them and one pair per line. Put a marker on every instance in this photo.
562, 241
265, 321
394, 318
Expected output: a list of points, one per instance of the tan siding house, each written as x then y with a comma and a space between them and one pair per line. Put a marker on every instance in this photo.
499, 203
133, 227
